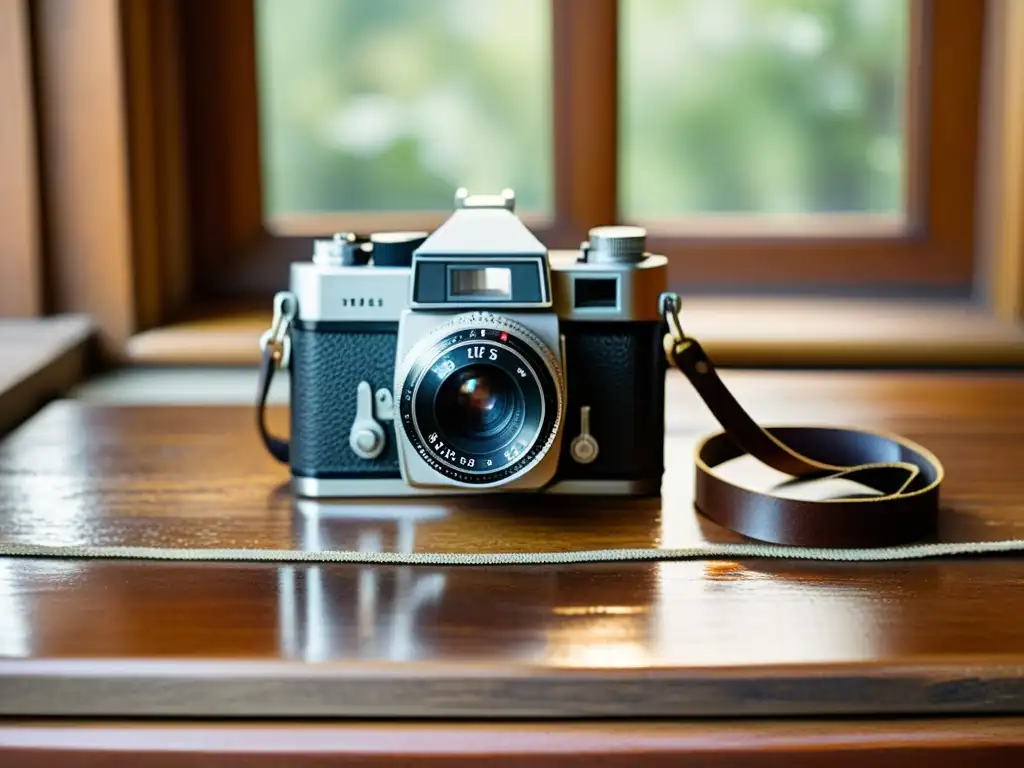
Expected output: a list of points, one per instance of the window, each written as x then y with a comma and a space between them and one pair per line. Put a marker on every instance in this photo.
393, 105
763, 107
778, 146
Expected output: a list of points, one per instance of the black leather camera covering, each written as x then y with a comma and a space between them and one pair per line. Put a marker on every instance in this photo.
327, 365
618, 369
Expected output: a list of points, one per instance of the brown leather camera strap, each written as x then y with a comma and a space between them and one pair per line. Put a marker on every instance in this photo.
905, 476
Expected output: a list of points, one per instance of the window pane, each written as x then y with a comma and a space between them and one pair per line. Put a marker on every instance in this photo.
762, 106
393, 104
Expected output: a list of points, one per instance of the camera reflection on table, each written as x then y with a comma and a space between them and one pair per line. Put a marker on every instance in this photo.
369, 611
593, 616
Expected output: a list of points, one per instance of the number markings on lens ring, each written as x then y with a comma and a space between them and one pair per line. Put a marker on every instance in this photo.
436, 442
446, 454
512, 458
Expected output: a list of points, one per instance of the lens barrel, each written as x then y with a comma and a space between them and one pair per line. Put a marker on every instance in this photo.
480, 401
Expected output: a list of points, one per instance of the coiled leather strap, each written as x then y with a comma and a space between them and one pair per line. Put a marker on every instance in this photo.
905, 475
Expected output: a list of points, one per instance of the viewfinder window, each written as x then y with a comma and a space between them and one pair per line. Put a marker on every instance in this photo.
481, 283
596, 293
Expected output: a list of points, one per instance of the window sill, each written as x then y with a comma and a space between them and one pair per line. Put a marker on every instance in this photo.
738, 332
43, 359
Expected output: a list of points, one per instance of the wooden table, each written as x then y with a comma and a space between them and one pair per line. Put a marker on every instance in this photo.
937, 643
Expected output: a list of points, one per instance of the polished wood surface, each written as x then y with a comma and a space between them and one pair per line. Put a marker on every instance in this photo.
687, 637
737, 744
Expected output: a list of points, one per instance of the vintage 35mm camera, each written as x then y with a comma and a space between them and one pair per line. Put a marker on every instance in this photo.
472, 359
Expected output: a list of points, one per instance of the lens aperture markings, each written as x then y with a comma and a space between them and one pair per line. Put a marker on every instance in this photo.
530, 433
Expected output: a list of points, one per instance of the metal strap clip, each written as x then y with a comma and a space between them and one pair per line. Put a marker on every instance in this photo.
675, 341
277, 337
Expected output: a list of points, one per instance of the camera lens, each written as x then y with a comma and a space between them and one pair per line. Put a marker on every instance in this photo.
480, 399
477, 403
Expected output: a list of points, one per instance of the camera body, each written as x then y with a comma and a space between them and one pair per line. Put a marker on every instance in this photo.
472, 360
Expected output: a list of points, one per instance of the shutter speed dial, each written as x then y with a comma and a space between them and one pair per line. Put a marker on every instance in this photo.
348, 249
618, 244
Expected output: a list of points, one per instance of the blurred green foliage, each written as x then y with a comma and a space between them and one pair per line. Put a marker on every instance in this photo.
765, 106
725, 105
393, 104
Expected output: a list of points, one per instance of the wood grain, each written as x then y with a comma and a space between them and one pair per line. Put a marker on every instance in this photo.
947, 743
156, 149
84, 142
680, 638
1002, 154
585, 105
220, 115
20, 248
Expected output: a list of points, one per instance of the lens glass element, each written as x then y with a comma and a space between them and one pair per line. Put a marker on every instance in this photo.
477, 403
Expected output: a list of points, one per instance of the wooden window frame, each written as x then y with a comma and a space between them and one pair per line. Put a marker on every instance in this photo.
999, 274
21, 277
166, 90
237, 252
933, 250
